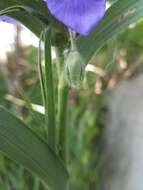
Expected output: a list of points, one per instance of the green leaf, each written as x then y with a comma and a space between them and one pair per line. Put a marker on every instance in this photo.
32, 4
118, 17
34, 15
33, 24
21, 144
49, 91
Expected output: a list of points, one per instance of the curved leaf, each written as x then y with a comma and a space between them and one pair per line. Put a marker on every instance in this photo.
33, 4
21, 144
118, 17
33, 15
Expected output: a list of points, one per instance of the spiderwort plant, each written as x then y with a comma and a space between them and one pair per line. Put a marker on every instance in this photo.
82, 17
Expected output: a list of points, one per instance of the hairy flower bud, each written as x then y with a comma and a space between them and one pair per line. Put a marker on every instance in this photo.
74, 69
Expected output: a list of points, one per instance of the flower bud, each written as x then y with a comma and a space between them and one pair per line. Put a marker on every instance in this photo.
74, 69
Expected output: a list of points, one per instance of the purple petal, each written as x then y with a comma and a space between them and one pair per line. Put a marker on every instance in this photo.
7, 19
82, 16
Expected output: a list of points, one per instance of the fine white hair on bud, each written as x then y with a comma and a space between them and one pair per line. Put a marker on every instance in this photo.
74, 69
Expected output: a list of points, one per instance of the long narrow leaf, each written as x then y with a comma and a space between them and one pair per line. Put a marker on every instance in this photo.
21, 144
118, 17
33, 15
49, 87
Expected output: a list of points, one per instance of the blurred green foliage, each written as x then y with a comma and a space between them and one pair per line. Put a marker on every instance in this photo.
120, 59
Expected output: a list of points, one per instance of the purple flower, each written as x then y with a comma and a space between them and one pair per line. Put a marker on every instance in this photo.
7, 19
82, 16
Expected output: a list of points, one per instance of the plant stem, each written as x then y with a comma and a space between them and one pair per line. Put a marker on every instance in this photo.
72, 40
41, 77
49, 86
62, 118
36, 185
63, 91
59, 61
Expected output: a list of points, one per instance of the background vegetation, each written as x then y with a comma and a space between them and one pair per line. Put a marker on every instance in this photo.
120, 59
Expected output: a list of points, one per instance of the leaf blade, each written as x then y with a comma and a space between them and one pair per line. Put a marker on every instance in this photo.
35, 23
20, 143
118, 17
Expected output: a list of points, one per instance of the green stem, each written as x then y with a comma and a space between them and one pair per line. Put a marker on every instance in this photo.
49, 86
59, 61
41, 76
72, 40
63, 92
36, 185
